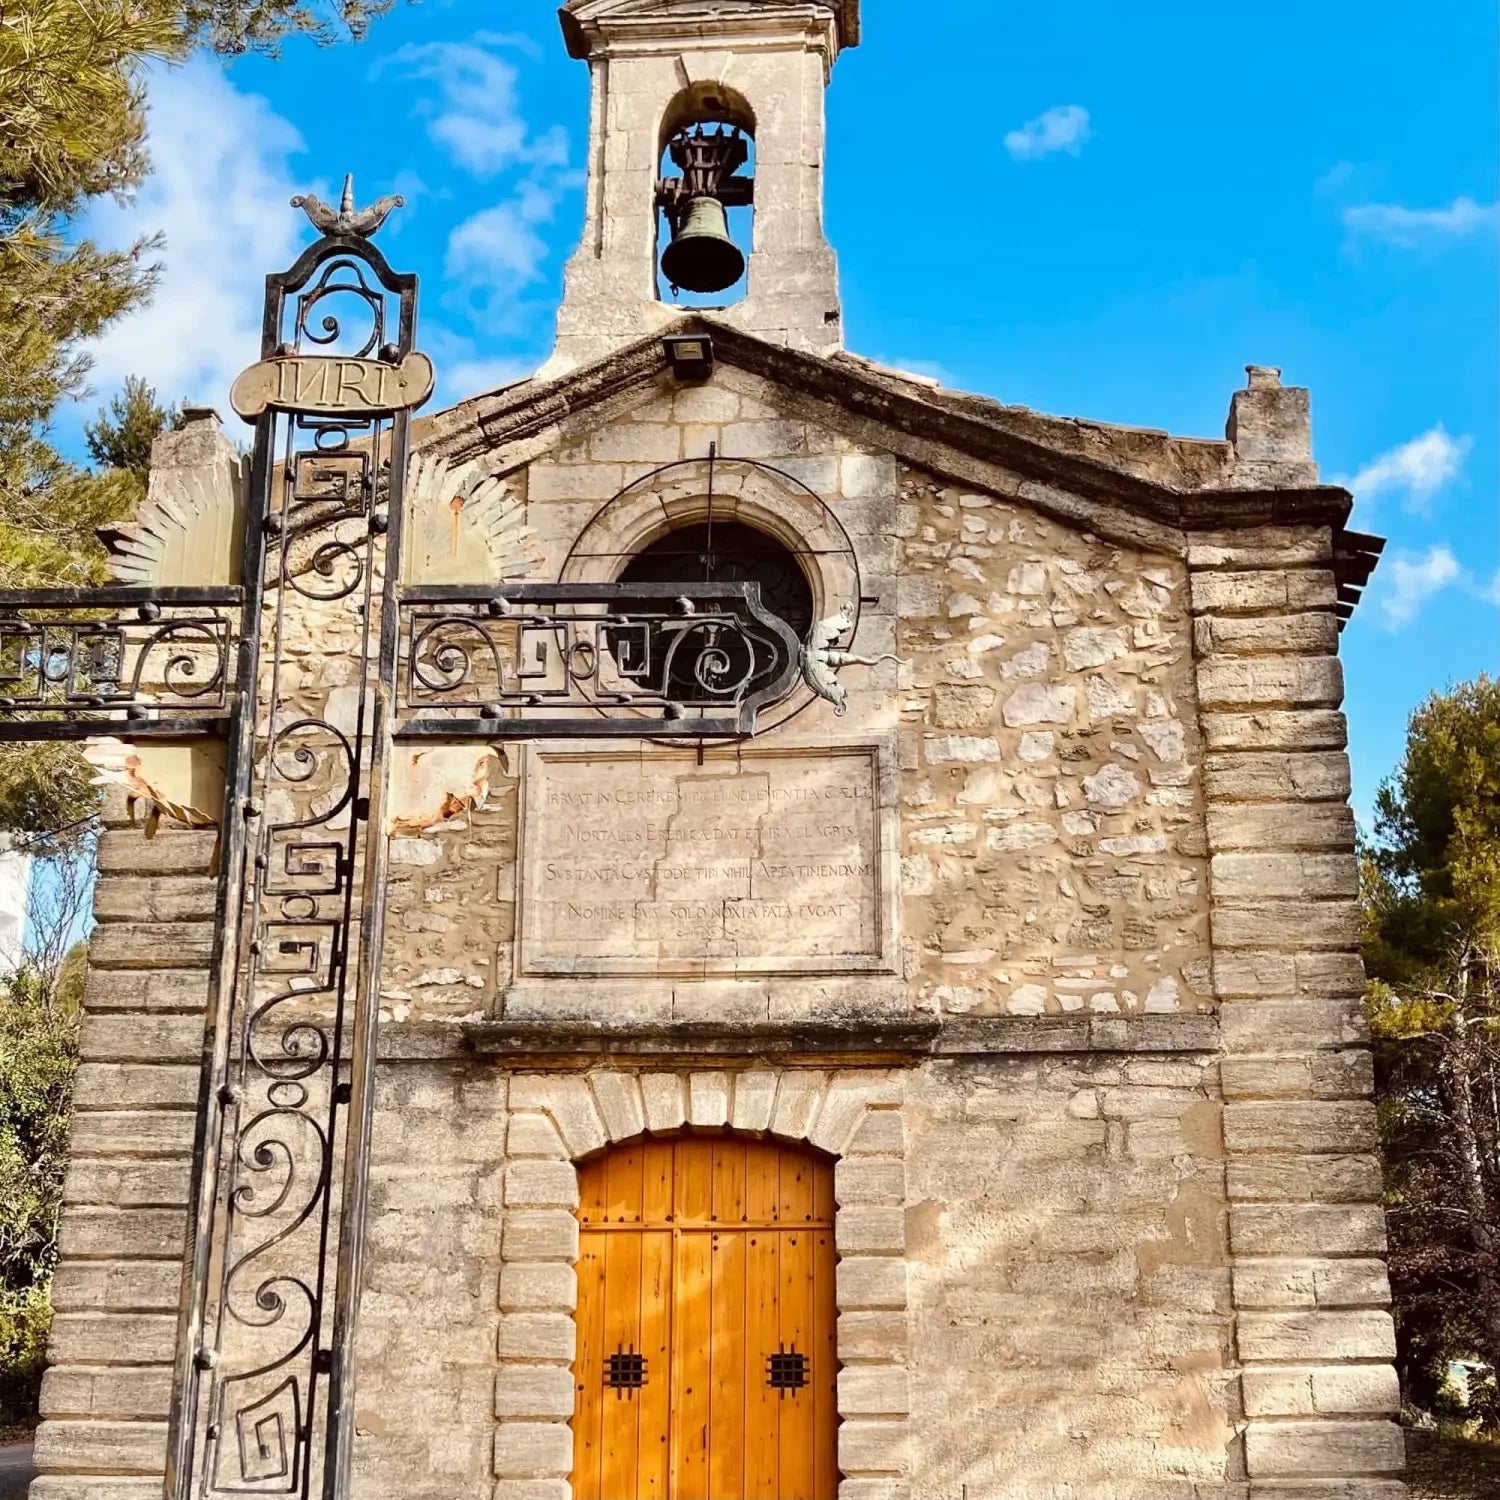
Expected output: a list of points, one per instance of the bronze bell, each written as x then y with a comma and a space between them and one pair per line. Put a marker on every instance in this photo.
702, 257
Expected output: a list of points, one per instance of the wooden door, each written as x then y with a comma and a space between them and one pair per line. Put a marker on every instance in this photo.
707, 1358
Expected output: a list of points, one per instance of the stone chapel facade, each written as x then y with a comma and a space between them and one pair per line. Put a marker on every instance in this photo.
963, 1095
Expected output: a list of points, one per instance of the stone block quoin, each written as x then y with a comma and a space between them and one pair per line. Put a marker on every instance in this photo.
1314, 1334
122, 1230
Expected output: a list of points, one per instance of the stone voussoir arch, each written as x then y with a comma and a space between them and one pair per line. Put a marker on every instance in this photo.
557, 1120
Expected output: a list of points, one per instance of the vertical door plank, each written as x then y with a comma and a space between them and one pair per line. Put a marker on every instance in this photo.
729, 1180
654, 1481
588, 1368
621, 1425
622, 1195
658, 1168
694, 1179
762, 1181
825, 1361
726, 1467
796, 1332
693, 1339
592, 1176
762, 1294
796, 1187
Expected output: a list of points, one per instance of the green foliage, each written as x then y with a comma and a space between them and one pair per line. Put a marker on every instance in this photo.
1431, 891
72, 129
121, 437
48, 537
45, 791
1437, 830
234, 26
38, 1059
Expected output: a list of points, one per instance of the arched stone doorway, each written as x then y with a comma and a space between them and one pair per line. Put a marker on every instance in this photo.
707, 1364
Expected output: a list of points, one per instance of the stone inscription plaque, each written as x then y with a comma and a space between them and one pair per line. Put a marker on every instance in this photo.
648, 862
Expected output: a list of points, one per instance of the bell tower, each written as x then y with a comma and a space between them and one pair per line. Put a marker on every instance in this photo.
683, 91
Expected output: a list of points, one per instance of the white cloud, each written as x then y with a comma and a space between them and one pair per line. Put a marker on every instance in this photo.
467, 366
1065, 127
475, 114
499, 247
1417, 469
922, 369
1409, 228
1411, 582
1339, 175
218, 191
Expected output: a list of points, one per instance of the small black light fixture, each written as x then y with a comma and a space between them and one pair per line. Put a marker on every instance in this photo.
690, 356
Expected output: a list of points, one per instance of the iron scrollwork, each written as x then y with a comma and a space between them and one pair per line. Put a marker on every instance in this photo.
587, 660
77, 662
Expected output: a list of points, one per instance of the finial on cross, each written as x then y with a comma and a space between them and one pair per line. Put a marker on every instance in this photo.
346, 221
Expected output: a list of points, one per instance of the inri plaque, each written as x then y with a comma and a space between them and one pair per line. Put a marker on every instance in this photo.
752, 861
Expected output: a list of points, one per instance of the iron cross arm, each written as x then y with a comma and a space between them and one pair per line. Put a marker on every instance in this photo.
678, 659
76, 663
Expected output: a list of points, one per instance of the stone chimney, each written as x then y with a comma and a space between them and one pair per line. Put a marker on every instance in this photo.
1270, 430
660, 65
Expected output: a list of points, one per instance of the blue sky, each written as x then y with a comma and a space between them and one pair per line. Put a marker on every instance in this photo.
1101, 209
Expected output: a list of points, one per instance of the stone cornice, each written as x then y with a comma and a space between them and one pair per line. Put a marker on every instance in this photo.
1139, 486
593, 26
841, 1043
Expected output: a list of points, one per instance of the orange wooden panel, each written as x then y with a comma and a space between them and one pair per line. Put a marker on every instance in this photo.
762, 1323
694, 1179
726, 1465
762, 1180
796, 1333
729, 1180
706, 1296
658, 1170
796, 1187
823, 1348
623, 1191
592, 1180
588, 1379
655, 1463
692, 1357
620, 1425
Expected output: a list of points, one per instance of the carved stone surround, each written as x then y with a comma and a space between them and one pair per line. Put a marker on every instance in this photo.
557, 1120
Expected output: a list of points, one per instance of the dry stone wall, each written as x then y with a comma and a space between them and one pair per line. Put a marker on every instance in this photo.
1052, 842
1072, 1322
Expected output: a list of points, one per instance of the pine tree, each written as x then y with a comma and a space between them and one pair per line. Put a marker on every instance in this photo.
1432, 909
72, 129
122, 435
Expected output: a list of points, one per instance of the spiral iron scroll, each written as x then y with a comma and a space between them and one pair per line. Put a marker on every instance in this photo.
263, 1394
56, 660
562, 659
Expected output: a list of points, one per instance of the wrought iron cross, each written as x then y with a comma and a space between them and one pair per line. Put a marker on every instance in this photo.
264, 1393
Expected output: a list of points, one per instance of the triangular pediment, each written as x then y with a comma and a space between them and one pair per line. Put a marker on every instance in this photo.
700, 18
1133, 485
